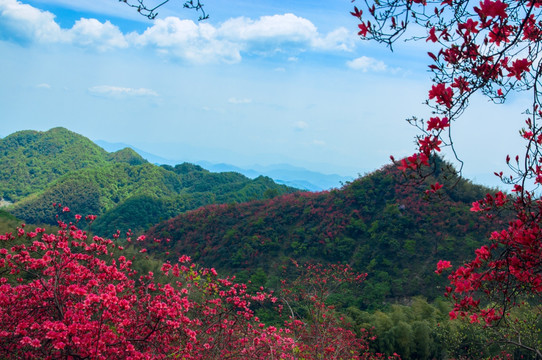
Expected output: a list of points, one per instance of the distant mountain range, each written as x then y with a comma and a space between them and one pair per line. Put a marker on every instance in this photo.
38, 169
286, 174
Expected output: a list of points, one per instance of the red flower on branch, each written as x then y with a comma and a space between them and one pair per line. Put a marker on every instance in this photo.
436, 123
443, 95
492, 9
468, 27
443, 265
518, 68
363, 29
432, 36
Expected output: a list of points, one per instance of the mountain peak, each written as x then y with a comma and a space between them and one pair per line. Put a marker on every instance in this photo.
127, 155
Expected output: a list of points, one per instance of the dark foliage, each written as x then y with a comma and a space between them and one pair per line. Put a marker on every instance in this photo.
376, 224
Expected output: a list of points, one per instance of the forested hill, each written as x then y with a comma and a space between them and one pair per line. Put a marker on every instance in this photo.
30, 160
123, 189
376, 224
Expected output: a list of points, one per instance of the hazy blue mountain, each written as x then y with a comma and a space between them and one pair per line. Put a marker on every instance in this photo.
286, 174
222, 167
154, 159
293, 174
300, 184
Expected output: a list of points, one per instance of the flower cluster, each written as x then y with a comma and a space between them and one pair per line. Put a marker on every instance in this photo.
490, 47
69, 295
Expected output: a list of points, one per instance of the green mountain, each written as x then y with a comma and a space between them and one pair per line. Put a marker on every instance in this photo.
122, 188
128, 156
31, 160
377, 224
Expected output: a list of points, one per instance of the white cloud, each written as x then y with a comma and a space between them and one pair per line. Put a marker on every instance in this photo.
338, 39
204, 43
301, 125
233, 100
184, 39
287, 26
92, 33
366, 63
284, 29
117, 91
43, 86
181, 39
104, 7
29, 24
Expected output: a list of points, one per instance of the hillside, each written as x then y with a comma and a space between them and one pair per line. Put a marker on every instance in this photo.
377, 224
122, 188
30, 160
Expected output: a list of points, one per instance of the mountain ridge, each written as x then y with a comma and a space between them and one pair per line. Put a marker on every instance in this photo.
286, 174
376, 224
60, 166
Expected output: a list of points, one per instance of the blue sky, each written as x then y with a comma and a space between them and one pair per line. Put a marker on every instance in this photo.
260, 82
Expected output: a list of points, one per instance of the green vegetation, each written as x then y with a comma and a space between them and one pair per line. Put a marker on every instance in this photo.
128, 156
376, 224
31, 160
8, 222
422, 330
122, 188
255, 228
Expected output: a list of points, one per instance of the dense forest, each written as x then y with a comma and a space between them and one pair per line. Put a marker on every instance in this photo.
376, 224
261, 233
127, 192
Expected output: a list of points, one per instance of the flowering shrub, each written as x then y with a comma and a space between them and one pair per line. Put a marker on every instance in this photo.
490, 47
322, 332
65, 295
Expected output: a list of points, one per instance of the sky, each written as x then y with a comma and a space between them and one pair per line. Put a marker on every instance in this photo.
259, 82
